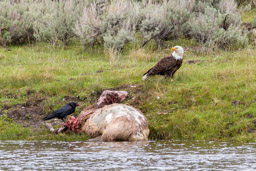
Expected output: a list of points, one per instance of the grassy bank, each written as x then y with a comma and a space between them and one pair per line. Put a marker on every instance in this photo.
212, 96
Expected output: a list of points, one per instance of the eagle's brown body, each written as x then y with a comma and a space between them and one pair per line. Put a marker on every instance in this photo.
166, 66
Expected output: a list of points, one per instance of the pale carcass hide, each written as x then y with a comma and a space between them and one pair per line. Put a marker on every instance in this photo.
113, 122
117, 122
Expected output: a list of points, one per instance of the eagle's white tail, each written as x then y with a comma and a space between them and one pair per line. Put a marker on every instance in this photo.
145, 77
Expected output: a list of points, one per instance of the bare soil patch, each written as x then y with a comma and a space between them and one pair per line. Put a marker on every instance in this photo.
30, 113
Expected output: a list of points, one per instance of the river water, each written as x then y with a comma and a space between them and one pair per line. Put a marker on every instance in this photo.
152, 155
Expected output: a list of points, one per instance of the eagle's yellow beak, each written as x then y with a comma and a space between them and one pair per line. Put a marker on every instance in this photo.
173, 49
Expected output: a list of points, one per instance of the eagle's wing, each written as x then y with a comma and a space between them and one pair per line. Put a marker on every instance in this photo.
162, 66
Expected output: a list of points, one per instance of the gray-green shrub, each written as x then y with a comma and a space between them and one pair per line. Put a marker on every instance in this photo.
87, 28
15, 23
218, 26
245, 2
165, 21
112, 25
117, 28
56, 20
254, 22
154, 21
45, 20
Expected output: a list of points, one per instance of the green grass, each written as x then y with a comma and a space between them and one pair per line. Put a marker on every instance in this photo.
10, 130
249, 16
197, 105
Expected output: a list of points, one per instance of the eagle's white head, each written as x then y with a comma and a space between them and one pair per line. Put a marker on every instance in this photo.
178, 52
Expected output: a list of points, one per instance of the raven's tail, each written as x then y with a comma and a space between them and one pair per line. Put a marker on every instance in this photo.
49, 117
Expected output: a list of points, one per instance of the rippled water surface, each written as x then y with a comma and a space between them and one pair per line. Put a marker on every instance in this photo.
154, 155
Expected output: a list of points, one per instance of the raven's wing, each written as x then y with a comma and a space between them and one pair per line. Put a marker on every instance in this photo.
58, 113
68, 110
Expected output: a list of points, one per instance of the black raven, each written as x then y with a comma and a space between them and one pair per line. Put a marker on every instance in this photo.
62, 112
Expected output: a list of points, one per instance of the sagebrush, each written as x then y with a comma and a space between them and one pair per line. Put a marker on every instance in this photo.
114, 24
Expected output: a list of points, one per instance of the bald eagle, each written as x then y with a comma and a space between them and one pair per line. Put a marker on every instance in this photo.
168, 65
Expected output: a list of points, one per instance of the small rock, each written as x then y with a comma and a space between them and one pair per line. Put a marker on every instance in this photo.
236, 102
99, 71
193, 61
